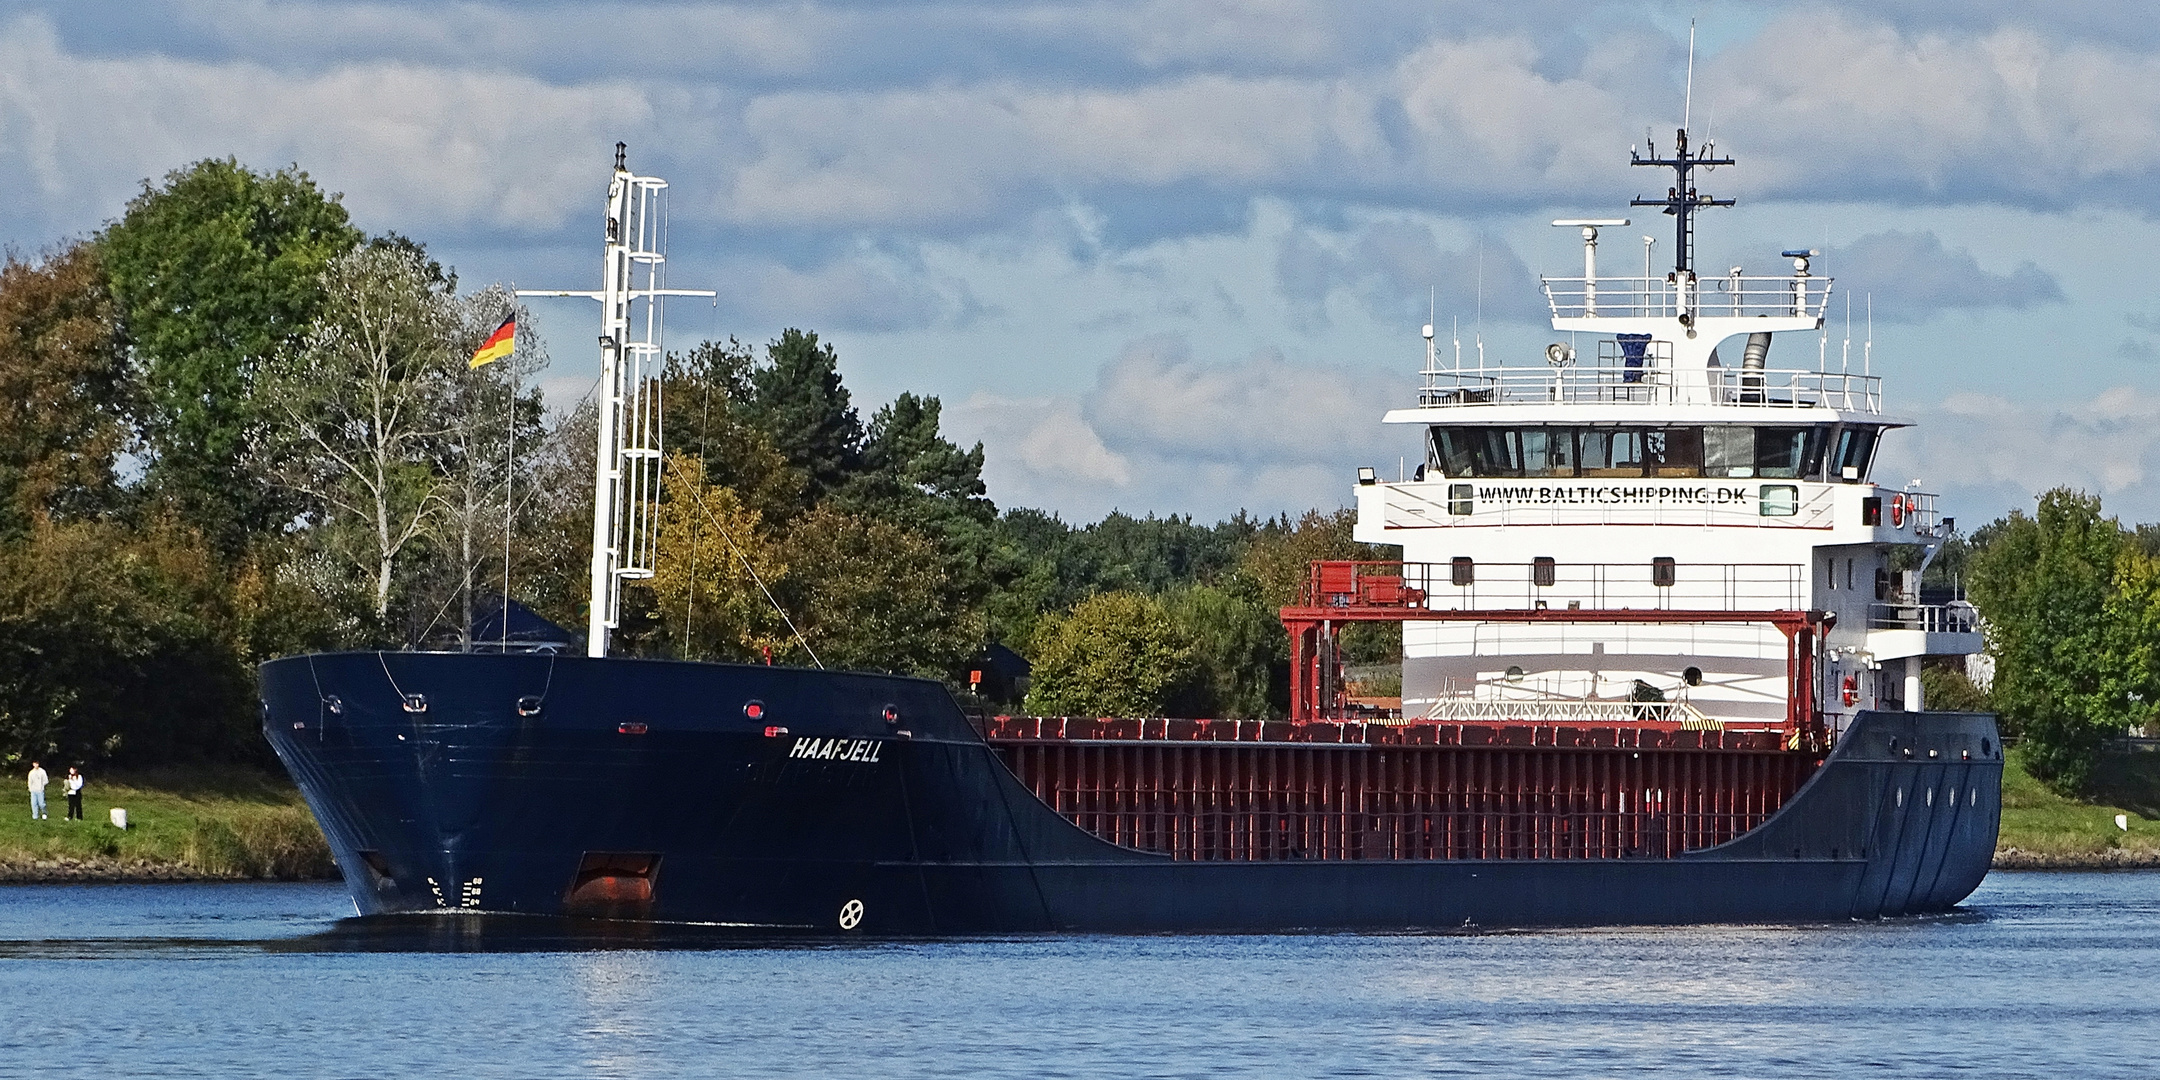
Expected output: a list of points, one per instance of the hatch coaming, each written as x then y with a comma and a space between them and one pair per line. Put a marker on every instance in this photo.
1244, 791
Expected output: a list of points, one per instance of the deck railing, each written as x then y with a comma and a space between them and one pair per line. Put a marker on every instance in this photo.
1769, 388
1952, 618
1739, 296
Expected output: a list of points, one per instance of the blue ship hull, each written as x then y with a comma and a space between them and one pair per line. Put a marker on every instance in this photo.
830, 802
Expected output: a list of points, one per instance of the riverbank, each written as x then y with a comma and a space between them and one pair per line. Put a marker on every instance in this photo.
2044, 831
198, 823
232, 823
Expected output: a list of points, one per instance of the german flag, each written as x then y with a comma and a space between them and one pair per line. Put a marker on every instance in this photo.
498, 345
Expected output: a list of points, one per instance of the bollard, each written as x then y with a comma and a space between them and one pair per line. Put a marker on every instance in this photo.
119, 818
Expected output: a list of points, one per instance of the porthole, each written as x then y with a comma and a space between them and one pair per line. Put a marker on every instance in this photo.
754, 710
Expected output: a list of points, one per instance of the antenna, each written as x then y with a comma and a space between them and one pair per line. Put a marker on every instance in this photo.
1845, 358
626, 467
1867, 347
1687, 102
1648, 242
1681, 199
1432, 356
1481, 301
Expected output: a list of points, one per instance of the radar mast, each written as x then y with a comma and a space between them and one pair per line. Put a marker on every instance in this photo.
1681, 199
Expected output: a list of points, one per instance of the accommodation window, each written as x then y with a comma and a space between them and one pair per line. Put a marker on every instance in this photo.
1463, 570
1543, 571
1663, 572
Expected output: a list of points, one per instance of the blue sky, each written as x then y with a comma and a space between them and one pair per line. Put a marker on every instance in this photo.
1173, 256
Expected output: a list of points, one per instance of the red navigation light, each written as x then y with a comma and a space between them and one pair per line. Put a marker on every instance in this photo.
630, 728
975, 677
775, 731
755, 710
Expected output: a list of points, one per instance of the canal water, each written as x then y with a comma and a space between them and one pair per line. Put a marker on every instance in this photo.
2041, 975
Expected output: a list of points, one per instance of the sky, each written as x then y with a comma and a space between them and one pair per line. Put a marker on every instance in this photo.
1172, 256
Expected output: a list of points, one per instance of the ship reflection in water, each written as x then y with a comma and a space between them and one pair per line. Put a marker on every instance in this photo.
450, 932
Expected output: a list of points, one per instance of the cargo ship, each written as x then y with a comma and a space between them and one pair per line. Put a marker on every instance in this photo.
1662, 643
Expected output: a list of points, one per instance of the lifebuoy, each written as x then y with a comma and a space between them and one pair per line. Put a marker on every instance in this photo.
1897, 511
1850, 691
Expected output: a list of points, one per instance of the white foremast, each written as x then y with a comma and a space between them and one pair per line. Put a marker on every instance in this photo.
627, 458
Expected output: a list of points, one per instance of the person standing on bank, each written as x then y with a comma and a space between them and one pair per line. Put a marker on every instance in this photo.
38, 780
74, 794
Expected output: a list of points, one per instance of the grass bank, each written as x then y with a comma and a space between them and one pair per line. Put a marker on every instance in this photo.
200, 823
2044, 831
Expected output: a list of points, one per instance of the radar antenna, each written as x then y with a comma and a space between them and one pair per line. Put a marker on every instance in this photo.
626, 470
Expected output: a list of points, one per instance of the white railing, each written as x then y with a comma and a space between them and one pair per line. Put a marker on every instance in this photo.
1952, 618
1771, 388
1738, 296
1905, 511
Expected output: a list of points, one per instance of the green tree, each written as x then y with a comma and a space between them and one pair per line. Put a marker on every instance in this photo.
713, 561
118, 643
1237, 643
1117, 654
215, 272
352, 415
61, 391
913, 476
873, 595
708, 398
800, 403
2050, 587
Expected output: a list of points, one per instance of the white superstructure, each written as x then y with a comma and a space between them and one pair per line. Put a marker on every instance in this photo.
1660, 456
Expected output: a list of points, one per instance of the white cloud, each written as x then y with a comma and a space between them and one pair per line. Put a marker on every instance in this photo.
1038, 451
1160, 432
1849, 107
862, 292
1994, 453
1400, 273
413, 148
1913, 277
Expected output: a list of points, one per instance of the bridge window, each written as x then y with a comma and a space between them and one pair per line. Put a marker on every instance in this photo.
1735, 451
1610, 452
1855, 451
